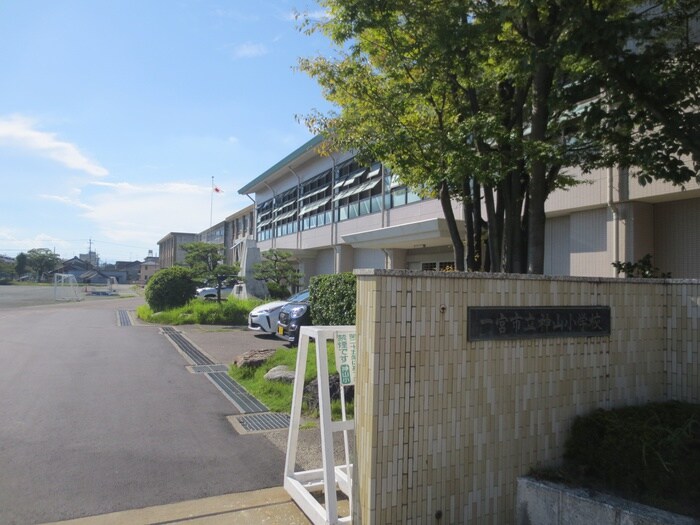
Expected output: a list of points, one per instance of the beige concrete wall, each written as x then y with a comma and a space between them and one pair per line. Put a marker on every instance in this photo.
444, 424
683, 342
677, 237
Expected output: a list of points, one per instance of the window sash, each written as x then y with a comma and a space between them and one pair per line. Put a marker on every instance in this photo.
313, 206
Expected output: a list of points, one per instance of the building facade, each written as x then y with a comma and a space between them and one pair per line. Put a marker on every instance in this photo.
610, 217
170, 250
335, 215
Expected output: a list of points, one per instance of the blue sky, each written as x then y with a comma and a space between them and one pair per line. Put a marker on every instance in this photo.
115, 115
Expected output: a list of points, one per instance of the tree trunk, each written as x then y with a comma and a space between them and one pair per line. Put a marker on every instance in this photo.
473, 223
537, 193
457, 243
494, 244
478, 225
468, 206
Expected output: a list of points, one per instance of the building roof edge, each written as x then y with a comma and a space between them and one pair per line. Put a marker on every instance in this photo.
282, 163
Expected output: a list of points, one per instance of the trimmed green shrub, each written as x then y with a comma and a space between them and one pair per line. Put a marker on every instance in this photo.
333, 299
651, 450
170, 288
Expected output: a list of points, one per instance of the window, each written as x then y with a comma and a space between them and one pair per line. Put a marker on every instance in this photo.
264, 216
285, 213
315, 200
357, 191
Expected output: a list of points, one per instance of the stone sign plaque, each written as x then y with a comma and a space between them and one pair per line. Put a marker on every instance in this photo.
533, 322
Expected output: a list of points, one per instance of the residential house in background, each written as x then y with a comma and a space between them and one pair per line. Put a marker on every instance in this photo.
131, 268
148, 268
91, 258
86, 273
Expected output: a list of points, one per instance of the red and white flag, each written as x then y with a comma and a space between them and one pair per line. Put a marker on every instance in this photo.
218, 190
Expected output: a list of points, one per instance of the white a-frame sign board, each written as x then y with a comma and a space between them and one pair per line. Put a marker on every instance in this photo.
329, 478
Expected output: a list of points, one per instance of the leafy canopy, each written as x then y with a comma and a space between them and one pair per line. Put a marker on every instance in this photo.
42, 260
206, 262
279, 271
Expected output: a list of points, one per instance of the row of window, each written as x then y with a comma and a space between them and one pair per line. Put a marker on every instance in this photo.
354, 192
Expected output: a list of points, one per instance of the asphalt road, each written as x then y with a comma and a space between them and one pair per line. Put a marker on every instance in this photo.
96, 418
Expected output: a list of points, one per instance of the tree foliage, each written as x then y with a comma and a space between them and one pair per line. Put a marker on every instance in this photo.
21, 264
279, 271
206, 262
170, 288
646, 65
42, 260
475, 101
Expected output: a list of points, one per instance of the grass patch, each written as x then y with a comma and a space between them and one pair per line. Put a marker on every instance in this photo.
233, 311
276, 395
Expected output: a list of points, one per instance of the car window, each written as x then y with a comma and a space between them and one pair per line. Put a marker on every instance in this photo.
301, 296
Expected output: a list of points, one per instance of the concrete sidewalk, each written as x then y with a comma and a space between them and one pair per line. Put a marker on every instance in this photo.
267, 506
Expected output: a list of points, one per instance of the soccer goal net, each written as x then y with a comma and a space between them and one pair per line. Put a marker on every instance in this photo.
65, 287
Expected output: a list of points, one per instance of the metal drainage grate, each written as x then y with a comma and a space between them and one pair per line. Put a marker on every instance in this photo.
191, 351
236, 393
208, 369
262, 422
123, 318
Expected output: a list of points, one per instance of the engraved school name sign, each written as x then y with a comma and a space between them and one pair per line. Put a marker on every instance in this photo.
534, 322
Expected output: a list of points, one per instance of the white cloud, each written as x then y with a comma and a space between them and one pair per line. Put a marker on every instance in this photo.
125, 219
249, 50
66, 199
145, 213
19, 131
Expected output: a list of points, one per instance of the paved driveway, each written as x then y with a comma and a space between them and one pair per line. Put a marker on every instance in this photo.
97, 417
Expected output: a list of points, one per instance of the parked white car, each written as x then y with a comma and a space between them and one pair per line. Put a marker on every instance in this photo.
209, 293
264, 318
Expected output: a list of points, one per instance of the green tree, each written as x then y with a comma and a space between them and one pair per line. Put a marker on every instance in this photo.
206, 262
647, 66
279, 272
42, 260
170, 288
463, 100
470, 100
21, 264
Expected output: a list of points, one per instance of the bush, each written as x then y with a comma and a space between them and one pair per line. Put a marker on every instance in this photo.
333, 299
170, 288
650, 451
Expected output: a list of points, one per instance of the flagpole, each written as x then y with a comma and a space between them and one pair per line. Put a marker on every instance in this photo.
211, 205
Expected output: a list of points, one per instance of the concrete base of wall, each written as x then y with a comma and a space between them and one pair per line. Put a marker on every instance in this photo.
546, 503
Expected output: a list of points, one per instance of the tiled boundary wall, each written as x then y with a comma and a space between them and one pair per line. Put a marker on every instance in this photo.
444, 426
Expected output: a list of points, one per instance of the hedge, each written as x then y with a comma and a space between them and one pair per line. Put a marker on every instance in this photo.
332, 299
